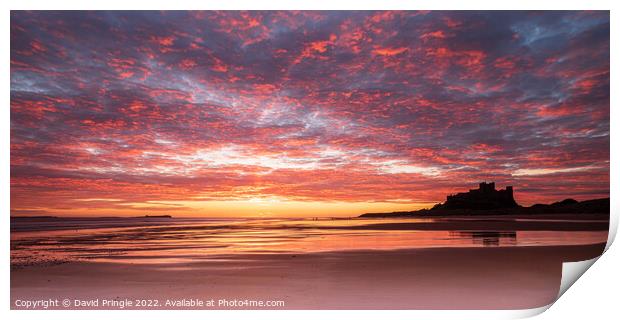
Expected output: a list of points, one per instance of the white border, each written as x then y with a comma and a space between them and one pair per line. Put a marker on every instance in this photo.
300, 5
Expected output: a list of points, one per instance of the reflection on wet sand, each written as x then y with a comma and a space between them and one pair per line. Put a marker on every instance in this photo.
187, 240
327, 264
489, 238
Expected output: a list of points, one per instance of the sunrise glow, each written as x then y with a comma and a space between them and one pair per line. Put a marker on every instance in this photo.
303, 114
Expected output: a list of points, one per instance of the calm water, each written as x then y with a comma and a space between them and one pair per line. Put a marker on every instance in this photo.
154, 240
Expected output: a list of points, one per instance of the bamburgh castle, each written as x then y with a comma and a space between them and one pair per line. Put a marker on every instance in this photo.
487, 201
483, 198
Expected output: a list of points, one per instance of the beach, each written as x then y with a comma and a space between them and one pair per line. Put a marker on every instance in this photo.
305, 264
439, 278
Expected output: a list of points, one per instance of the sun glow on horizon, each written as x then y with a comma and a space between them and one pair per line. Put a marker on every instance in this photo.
246, 208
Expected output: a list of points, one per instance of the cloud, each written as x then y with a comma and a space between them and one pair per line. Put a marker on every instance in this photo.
310, 106
545, 171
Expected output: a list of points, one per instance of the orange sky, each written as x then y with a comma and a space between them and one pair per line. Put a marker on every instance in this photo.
303, 113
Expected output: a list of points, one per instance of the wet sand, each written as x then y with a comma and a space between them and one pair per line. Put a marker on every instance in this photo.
489, 223
433, 278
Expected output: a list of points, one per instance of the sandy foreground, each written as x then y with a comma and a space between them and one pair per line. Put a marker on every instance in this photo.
434, 278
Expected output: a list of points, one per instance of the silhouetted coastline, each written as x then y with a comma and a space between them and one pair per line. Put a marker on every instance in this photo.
486, 201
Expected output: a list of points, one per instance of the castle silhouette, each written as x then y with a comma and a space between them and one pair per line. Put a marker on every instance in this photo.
483, 198
487, 201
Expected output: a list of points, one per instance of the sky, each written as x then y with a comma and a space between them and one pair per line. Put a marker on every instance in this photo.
312, 113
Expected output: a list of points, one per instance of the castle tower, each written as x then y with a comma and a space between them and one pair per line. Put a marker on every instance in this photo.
487, 187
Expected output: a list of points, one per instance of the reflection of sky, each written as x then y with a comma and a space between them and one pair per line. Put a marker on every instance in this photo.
200, 111
186, 242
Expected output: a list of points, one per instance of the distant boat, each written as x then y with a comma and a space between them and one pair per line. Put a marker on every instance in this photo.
158, 216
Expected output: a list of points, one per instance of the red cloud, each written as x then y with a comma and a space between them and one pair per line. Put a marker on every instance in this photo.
308, 106
389, 51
